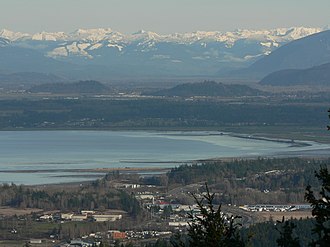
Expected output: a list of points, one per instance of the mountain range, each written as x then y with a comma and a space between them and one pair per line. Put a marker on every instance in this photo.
304, 53
104, 54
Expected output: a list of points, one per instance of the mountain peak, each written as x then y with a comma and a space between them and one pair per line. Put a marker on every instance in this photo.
11, 35
141, 31
300, 32
146, 35
92, 34
46, 36
81, 31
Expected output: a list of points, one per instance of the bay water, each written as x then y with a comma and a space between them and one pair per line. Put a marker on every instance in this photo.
43, 157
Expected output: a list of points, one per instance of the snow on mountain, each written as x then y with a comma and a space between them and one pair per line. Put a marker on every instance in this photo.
307, 52
95, 35
45, 36
195, 51
100, 34
146, 35
12, 36
58, 52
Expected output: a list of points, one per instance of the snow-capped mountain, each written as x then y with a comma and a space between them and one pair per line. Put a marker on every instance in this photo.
95, 35
308, 52
12, 36
144, 52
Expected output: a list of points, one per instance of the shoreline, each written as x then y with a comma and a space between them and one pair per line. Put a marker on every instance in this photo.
161, 170
93, 170
293, 143
136, 170
234, 131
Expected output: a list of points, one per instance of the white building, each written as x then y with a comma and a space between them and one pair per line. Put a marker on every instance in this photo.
107, 217
67, 216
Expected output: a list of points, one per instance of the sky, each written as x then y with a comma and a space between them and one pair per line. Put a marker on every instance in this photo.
161, 16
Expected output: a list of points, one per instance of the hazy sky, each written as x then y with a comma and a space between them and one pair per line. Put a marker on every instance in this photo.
162, 16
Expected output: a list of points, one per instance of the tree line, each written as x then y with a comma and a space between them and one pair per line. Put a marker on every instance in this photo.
95, 113
95, 196
251, 181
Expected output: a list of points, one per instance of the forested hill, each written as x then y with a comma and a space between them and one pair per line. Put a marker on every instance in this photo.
69, 88
96, 195
303, 53
208, 88
245, 181
318, 75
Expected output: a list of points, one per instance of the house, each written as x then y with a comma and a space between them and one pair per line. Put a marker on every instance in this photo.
118, 235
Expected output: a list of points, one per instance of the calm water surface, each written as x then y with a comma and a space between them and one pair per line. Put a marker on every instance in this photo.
54, 150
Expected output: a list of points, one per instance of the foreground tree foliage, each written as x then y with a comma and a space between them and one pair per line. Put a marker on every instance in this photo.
286, 238
268, 233
212, 228
321, 208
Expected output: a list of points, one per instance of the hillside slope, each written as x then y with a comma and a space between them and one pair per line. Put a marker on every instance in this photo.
304, 53
318, 75
207, 88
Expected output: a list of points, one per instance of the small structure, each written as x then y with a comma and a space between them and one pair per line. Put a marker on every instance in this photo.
35, 241
145, 197
46, 217
80, 243
178, 223
185, 208
107, 217
118, 235
79, 217
87, 212
67, 216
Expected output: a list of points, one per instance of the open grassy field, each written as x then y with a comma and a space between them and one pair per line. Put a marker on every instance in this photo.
9, 211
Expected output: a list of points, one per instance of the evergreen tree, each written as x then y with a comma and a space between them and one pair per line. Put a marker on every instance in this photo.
321, 208
286, 238
213, 228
